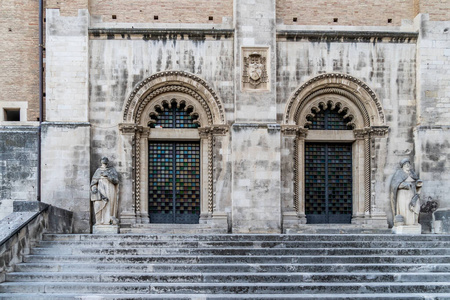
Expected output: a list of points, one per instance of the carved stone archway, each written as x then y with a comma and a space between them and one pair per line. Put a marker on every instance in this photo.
179, 88
363, 109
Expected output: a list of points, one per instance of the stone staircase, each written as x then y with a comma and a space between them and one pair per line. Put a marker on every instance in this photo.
170, 266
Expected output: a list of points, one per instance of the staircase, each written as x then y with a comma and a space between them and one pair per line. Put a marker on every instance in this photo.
138, 266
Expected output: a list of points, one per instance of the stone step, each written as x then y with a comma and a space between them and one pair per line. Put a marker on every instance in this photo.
247, 237
230, 267
295, 259
245, 244
224, 288
239, 251
411, 296
192, 277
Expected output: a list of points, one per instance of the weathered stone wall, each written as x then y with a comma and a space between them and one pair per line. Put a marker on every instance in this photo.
65, 170
433, 82
19, 52
118, 64
66, 138
432, 134
256, 178
67, 67
388, 68
21, 229
18, 165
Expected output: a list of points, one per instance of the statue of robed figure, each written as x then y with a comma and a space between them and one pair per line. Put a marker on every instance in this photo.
105, 194
405, 195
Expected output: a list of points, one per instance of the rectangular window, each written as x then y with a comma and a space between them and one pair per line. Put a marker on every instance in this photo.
11, 114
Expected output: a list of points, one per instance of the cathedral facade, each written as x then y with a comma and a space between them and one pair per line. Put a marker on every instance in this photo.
232, 116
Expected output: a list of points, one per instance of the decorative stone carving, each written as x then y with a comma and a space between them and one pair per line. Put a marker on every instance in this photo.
345, 85
105, 194
129, 128
254, 74
220, 130
379, 131
405, 199
173, 81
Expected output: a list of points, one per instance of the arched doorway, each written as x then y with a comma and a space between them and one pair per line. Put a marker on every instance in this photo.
331, 124
173, 117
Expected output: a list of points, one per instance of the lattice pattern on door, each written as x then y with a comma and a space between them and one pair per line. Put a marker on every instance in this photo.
174, 182
328, 182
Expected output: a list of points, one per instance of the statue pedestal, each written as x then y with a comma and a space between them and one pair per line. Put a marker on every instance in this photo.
105, 229
407, 229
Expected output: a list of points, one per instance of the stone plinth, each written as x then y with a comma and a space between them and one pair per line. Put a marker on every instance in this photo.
407, 229
105, 229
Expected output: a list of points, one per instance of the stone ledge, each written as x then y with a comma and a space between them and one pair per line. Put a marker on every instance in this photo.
346, 36
160, 33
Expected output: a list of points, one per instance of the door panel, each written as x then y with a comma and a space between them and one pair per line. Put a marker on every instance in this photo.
174, 182
328, 183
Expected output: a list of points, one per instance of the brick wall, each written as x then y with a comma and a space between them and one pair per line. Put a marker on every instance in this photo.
168, 11
439, 10
348, 12
67, 7
19, 52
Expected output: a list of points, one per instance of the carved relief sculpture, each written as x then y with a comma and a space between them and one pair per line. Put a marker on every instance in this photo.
405, 195
105, 194
254, 75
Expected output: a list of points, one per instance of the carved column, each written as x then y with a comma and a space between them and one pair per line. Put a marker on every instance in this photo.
361, 175
377, 215
127, 203
364, 178
206, 209
218, 203
293, 179
299, 174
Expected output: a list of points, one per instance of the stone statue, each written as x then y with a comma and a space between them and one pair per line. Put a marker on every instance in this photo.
105, 194
404, 193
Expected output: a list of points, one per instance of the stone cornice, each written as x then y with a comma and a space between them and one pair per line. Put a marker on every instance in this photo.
346, 36
160, 33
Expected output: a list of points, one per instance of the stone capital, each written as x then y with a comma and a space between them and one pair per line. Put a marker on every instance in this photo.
205, 132
362, 133
130, 128
220, 129
379, 131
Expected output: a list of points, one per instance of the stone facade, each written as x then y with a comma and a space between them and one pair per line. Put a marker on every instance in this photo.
253, 76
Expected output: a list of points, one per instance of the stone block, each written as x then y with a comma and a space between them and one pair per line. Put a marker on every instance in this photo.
441, 223
407, 229
105, 229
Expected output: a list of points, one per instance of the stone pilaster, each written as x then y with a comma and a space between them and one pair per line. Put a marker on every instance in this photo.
256, 198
